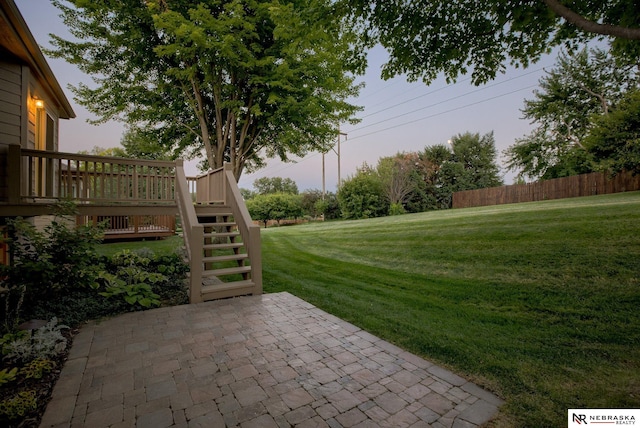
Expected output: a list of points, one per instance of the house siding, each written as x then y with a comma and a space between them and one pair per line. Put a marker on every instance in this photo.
11, 112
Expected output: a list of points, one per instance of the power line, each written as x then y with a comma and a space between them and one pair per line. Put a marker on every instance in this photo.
443, 112
290, 165
411, 99
439, 102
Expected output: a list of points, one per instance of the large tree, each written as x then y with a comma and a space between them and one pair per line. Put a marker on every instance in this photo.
581, 86
266, 185
453, 37
614, 140
239, 79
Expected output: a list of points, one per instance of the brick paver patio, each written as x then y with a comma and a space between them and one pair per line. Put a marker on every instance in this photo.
260, 361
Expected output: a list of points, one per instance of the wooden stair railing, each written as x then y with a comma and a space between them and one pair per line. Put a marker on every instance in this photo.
223, 243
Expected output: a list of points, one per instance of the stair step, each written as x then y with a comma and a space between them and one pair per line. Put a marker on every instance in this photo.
221, 234
213, 210
226, 258
221, 224
225, 246
223, 290
227, 271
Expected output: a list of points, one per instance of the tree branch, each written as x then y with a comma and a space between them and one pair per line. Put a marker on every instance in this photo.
590, 26
600, 97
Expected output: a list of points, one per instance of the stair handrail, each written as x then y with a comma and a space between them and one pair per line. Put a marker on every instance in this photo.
192, 231
249, 231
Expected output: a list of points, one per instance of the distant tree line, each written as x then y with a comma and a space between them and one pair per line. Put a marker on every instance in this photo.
403, 183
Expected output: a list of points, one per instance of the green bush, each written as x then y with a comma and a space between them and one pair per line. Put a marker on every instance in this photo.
49, 263
37, 368
362, 195
131, 278
19, 405
8, 375
397, 209
44, 342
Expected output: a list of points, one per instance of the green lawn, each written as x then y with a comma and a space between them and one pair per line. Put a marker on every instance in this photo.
158, 246
538, 302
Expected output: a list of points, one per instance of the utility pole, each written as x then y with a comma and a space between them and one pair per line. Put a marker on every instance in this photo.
345, 138
324, 189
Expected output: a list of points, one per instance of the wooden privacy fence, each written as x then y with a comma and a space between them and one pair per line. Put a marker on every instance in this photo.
595, 183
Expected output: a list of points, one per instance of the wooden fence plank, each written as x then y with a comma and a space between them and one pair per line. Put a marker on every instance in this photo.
595, 183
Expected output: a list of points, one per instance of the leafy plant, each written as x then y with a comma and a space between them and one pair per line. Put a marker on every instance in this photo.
45, 342
18, 405
7, 375
132, 279
50, 262
13, 300
141, 294
11, 337
36, 368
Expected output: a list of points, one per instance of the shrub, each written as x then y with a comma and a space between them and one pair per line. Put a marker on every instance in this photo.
36, 368
397, 209
52, 262
362, 195
19, 405
131, 279
44, 342
8, 375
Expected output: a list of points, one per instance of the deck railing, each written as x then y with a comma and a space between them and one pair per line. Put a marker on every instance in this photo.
193, 233
87, 178
250, 232
125, 191
132, 226
211, 187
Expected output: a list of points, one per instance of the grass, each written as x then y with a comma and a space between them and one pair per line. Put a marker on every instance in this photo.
537, 302
158, 246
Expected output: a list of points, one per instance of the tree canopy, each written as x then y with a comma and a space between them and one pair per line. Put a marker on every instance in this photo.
266, 185
428, 37
239, 79
580, 88
421, 181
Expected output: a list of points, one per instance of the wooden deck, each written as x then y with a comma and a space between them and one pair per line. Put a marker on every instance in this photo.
133, 226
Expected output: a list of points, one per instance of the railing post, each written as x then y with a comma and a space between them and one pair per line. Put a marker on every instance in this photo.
14, 173
135, 183
256, 258
195, 280
227, 167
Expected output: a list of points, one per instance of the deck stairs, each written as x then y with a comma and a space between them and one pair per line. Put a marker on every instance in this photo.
226, 268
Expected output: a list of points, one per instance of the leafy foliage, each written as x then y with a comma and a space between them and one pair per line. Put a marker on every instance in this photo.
236, 78
415, 182
37, 368
8, 375
614, 140
132, 279
275, 206
266, 185
428, 37
54, 260
49, 263
44, 342
19, 405
362, 195
579, 89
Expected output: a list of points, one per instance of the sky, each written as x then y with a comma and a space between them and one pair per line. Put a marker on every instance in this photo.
398, 116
